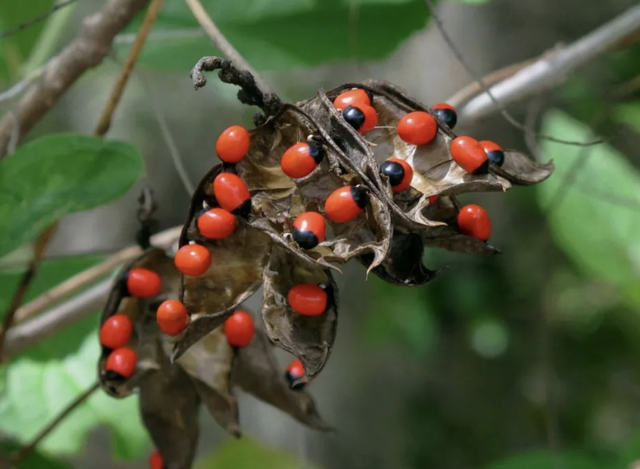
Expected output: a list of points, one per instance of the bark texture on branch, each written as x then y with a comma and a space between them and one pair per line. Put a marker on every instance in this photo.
87, 50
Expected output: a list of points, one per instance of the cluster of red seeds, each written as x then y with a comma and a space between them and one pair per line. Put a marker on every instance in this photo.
116, 331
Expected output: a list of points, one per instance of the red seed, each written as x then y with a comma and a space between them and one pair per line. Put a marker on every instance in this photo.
239, 329
345, 204
309, 230
217, 223
143, 283
433, 199
469, 154
122, 361
231, 193
233, 144
370, 119
172, 317
156, 461
308, 300
399, 173
355, 97
116, 331
417, 128
301, 159
193, 259
474, 221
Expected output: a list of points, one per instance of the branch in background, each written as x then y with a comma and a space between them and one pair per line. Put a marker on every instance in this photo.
80, 306
40, 247
24, 452
86, 51
134, 53
554, 68
37, 19
221, 43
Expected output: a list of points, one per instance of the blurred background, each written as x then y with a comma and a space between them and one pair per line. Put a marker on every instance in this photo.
526, 360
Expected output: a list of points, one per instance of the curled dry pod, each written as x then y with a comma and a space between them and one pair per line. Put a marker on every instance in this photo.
256, 371
309, 338
233, 277
521, 170
141, 312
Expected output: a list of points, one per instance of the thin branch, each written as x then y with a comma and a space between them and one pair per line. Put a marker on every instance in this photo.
87, 50
176, 158
24, 452
221, 43
134, 53
629, 23
87, 277
37, 19
554, 68
21, 86
40, 247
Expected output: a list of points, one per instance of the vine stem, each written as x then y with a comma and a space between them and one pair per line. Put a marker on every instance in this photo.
221, 43
25, 451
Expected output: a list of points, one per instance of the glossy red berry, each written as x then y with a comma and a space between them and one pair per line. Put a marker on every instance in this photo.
354, 97
417, 128
156, 461
295, 371
445, 113
346, 203
474, 221
216, 223
193, 259
239, 329
362, 118
398, 172
308, 300
116, 331
232, 194
495, 153
121, 364
172, 317
143, 283
309, 230
469, 154
301, 159
433, 199
233, 144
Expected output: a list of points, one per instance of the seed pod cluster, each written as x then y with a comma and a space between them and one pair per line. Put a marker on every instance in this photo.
362, 172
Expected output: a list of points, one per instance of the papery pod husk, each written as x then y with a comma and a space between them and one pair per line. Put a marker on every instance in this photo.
209, 362
256, 371
169, 407
141, 311
309, 338
234, 275
517, 167
277, 199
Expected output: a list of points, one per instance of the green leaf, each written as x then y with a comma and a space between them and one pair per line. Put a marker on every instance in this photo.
60, 174
45, 379
35, 459
598, 219
629, 114
543, 459
248, 454
279, 35
15, 48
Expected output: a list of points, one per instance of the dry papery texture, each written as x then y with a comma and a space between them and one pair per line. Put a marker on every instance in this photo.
388, 238
170, 394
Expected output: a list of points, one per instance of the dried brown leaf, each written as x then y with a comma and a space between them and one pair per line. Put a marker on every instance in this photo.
309, 338
522, 170
256, 371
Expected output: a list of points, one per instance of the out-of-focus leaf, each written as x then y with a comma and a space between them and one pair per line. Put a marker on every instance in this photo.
14, 49
59, 174
598, 220
471, 2
43, 381
267, 32
401, 316
629, 114
35, 459
542, 459
248, 454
